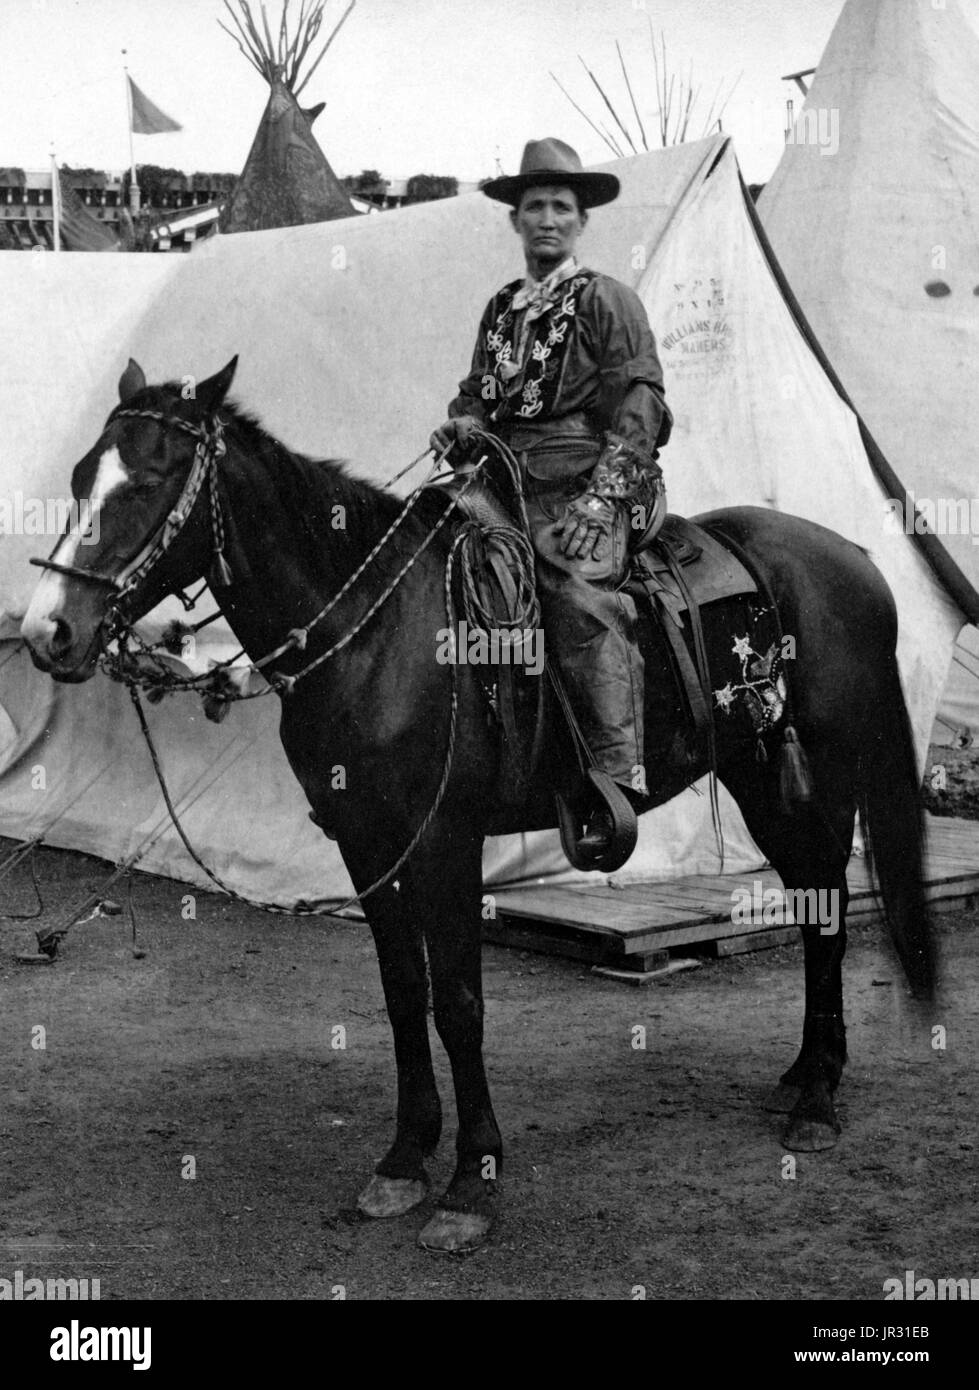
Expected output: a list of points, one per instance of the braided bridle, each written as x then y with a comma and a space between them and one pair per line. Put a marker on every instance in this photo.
210, 448
204, 469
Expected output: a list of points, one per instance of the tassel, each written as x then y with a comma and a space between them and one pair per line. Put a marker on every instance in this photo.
794, 777
216, 710
221, 575
761, 752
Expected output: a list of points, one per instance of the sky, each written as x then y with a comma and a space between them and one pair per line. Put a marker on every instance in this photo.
411, 86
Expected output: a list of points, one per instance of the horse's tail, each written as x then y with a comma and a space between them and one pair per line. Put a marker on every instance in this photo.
893, 827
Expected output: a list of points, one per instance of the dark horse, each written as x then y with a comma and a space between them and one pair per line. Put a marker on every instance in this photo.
383, 709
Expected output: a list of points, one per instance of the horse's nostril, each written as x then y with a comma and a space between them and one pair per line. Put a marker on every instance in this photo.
61, 638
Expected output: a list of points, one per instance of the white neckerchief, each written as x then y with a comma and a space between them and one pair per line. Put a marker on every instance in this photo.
535, 297
538, 295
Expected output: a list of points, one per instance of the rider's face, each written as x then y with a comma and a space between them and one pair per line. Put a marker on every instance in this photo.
549, 221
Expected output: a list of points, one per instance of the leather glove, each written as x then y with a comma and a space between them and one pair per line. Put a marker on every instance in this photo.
586, 529
624, 473
457, 431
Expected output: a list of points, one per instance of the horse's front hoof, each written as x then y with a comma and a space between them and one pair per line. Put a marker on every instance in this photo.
384, 1197
456, 1232
810, 1136
783, 1099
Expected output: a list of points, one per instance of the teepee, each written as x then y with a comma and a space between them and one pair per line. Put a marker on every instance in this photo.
873, 213
286, 179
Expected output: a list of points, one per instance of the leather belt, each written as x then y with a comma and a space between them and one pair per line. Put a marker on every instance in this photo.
556, 449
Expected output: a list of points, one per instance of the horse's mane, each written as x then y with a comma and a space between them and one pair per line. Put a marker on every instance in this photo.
310, 488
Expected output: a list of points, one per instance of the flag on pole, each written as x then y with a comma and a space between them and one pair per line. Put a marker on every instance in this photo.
148, 119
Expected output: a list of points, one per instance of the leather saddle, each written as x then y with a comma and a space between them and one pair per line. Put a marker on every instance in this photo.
676, 568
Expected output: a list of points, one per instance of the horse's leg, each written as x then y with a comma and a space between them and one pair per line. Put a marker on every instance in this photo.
446, 886
400, 1182
809, 850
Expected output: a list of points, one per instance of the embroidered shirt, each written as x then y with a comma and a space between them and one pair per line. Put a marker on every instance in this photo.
532, 300
590, 350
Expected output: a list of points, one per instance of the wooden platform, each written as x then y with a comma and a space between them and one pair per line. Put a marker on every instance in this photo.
637, 925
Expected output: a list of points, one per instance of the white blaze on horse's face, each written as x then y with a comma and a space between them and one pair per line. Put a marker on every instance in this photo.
39, 623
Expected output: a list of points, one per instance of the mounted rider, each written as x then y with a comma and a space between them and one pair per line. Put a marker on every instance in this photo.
565, 371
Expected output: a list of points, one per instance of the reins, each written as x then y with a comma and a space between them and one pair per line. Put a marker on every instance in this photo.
216, 684
302, 909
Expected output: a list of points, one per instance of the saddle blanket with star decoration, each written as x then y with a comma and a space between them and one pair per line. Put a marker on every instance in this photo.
745, 648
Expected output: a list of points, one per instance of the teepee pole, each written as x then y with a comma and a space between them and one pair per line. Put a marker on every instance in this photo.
614, 114
632, 98
588, 118
343, 19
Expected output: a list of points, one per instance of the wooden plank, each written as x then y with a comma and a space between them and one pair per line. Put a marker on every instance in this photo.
958, 853
522, 935
759, 941
642, 966
631, 919
714, 904
577, 910
709, 880
948, 867
641, 895
645, 977
963, 887
956, 904
719, 897
960, 857
691, 933
952, 827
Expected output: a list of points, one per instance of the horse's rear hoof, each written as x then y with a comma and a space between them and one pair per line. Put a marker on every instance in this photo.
384, 1197
782, 1101
809, 1136
455, 1232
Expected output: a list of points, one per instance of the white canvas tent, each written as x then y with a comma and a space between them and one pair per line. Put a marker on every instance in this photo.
352, 336
873, 213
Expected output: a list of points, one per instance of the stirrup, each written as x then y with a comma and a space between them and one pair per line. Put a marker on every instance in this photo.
625, 826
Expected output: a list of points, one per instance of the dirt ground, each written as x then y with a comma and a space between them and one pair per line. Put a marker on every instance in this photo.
625, 1167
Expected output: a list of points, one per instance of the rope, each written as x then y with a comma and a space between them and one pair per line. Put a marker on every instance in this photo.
162, 678
286, 683
303, 910
516, 551
518, 546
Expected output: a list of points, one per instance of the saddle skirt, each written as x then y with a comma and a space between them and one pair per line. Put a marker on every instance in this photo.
709, 570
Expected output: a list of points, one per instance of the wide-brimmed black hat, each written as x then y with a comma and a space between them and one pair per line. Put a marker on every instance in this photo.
551, 161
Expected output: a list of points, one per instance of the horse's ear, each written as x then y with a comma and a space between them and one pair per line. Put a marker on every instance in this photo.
132, 380
211, 393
